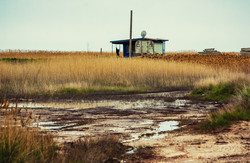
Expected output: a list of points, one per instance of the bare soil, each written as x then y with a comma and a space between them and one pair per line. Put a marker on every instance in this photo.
136, 118
231, 145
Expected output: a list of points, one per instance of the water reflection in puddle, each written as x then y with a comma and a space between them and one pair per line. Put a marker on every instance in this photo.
156, 133
157, 136
168, 126
179, 102
28, 105
115, 104
132, 151
48, 125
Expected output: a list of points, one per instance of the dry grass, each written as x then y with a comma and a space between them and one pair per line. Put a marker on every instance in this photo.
22, 141
88, 70
231, 60
18, 141
46, 54
100, 149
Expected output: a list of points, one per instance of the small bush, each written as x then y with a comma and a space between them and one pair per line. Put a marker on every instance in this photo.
144, 152
221, 92
18, 60
244, 97
66, 91
74, 91
225, 117
21, 143
95, 150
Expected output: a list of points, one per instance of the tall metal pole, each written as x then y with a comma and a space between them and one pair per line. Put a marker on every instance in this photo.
130, 38
112, 49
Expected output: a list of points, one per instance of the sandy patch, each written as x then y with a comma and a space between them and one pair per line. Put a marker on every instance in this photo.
228, 146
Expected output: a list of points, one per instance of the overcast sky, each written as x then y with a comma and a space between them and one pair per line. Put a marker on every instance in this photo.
73, 25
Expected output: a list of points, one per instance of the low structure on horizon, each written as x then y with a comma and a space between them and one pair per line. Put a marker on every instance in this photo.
245, 51
210, 51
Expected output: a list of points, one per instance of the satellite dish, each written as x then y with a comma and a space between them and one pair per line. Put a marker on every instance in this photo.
143, 33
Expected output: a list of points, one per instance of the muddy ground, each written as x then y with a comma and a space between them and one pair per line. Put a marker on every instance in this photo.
230, 145
157, 120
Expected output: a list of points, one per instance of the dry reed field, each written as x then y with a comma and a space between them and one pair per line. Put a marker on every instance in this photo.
45, 54
19, 140
59, 70
232, 61
229, 60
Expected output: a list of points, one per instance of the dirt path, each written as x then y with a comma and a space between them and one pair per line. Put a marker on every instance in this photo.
231, 145
130, 117
144, 120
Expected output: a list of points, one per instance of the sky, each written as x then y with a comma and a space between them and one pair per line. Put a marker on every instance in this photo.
88, 25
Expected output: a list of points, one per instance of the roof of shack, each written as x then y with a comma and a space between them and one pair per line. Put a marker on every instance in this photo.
135, 39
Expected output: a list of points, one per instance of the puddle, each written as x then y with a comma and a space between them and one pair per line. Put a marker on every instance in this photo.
172, 94
48, 125
163, 127
59, 105
179, 102
156, 133
51, 127
28, 105
74, 133
168, 126
131, 151
153, 136
157, 104
115, 104
157, 136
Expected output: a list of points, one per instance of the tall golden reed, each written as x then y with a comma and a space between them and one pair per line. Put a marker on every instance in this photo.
89, 70
19, 140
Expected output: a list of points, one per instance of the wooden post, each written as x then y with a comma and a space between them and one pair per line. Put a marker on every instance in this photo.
101, 51
130, 37
112, 48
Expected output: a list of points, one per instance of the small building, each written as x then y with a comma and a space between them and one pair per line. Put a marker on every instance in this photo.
210, 51
245, 51
142, 46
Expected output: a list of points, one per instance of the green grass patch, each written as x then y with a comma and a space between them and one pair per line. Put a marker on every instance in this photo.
221, 92
18, 60
65, 91
219, 120
244, 98
72, 91
226, 116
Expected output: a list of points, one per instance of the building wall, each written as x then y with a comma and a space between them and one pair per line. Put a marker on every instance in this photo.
126, 49
158, 48
144, 47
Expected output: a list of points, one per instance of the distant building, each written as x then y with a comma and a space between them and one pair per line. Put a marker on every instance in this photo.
210, 51
245, 51
142, 46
